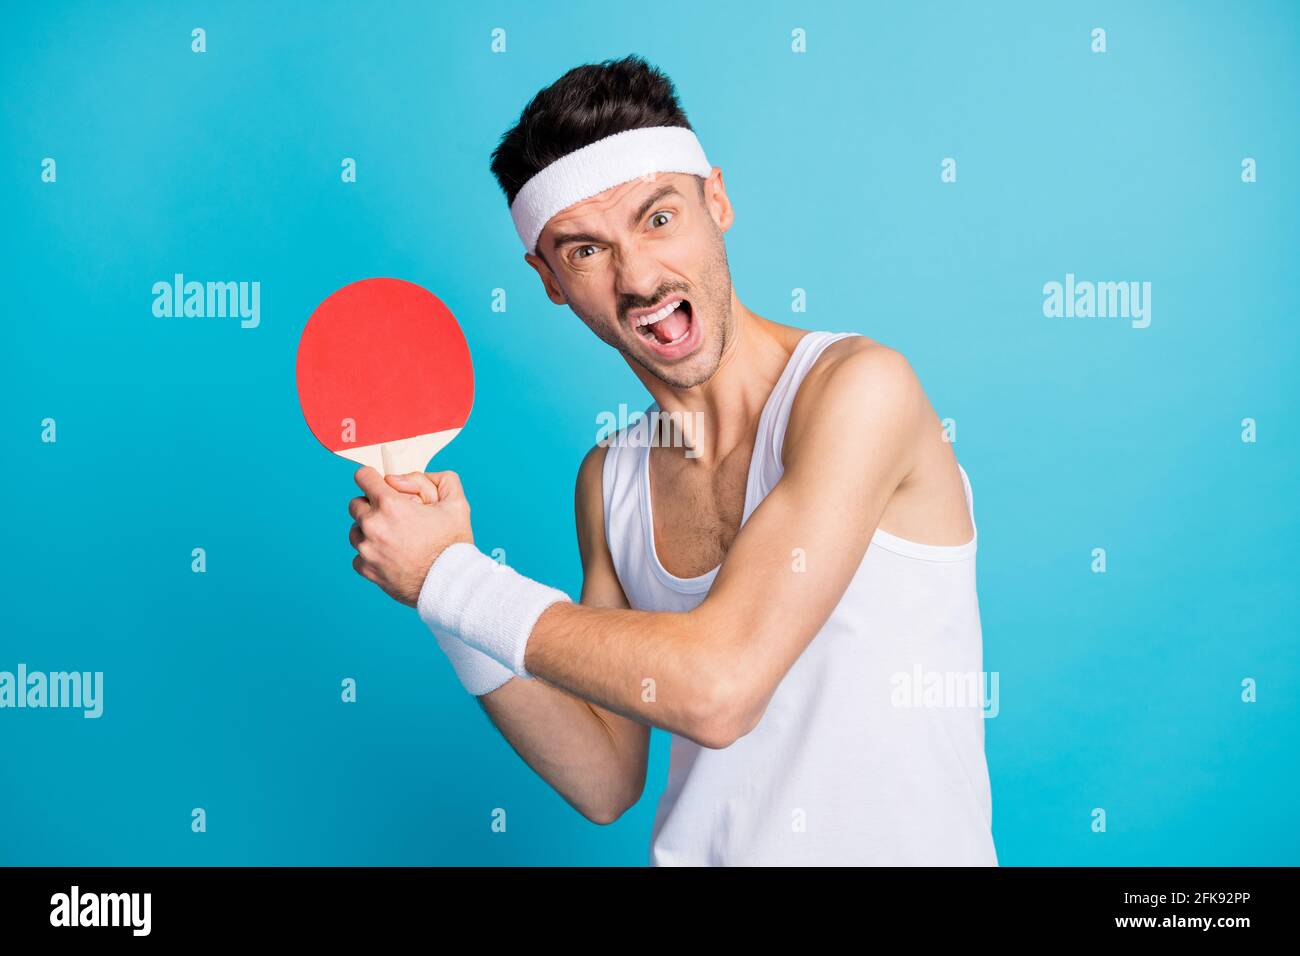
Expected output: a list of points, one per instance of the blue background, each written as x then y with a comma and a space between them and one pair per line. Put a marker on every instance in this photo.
222, 690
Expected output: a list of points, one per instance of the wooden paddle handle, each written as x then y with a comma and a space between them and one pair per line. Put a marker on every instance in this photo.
388, 469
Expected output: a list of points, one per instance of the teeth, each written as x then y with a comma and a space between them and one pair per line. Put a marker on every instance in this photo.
659, 316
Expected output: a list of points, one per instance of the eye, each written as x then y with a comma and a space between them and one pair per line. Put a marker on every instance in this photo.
661, 212
576, 252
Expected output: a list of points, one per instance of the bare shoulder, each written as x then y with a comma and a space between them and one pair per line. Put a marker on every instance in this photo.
589, 511
858, 356
589, 486
600, 583
867, 393
862, 379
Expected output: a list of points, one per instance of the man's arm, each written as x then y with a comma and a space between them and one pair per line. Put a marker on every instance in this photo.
594, 758
849, 444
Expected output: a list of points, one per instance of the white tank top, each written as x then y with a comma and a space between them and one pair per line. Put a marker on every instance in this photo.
871, 751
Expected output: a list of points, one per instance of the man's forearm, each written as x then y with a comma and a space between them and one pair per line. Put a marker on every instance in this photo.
658, 667
674, 670
569, 747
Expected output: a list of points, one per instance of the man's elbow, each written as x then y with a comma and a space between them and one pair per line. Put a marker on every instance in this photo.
609, 805
603, 816
610, 812
726, 712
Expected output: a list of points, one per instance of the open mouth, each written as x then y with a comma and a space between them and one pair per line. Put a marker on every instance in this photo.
669, 327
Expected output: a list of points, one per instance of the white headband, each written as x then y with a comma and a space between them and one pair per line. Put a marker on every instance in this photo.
594, 168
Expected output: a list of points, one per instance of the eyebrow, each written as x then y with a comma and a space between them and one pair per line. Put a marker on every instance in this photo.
564, 238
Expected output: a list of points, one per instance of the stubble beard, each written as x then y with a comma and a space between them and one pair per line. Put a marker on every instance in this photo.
710, 302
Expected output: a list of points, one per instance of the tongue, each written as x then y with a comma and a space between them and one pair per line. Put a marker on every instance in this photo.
672, 327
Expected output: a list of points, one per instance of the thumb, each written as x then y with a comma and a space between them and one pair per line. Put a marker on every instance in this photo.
415, 483
448, 485
370, 481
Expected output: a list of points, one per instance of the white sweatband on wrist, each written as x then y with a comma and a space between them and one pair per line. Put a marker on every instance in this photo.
489, 606
598, 166
478, 673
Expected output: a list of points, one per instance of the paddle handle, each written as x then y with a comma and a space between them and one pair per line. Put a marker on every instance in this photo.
387, 452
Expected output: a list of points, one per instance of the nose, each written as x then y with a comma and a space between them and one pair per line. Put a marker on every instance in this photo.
640, 279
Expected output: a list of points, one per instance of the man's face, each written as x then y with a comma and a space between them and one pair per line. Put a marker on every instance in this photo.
622, 258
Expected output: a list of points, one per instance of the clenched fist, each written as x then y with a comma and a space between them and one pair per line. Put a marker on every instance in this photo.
402, 524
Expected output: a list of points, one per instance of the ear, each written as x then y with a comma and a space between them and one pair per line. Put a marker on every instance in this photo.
553, 290
716, 200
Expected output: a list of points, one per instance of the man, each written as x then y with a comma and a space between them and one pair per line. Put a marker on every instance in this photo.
772, 593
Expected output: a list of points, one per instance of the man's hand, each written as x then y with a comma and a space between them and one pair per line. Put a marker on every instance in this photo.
403, 524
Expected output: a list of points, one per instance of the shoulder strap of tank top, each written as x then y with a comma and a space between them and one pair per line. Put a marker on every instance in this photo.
620, 474
771, 430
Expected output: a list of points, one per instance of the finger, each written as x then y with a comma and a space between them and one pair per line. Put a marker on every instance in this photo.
363, 569
358, 508
447, 483
416, 483
372, 483
355, 536
426, 495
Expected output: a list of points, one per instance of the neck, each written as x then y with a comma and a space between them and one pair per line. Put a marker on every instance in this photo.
721, 414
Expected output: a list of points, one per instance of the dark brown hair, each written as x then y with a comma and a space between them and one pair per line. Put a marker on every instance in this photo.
586, 104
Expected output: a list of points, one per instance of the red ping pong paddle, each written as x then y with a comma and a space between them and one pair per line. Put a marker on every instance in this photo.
384, 375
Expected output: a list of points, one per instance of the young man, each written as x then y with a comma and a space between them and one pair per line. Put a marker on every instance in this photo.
773, 594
